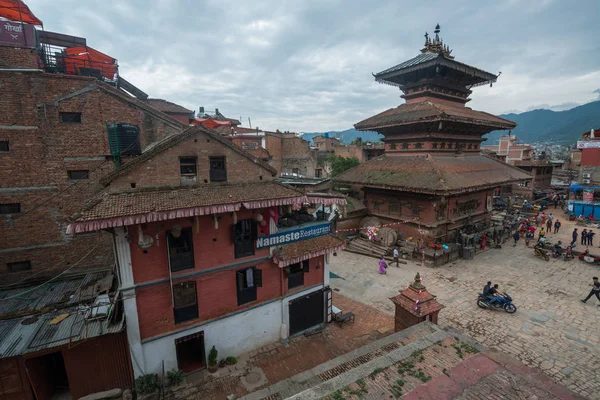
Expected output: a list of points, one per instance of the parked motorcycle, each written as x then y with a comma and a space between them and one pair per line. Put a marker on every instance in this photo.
587, 257
504, 303
568, 255
540, 252
557, 250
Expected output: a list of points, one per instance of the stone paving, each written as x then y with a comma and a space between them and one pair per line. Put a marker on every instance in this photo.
552, 330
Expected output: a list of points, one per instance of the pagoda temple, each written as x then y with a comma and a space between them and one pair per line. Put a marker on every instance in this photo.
432, 171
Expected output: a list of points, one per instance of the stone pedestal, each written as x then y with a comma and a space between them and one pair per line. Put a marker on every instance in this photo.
414, 305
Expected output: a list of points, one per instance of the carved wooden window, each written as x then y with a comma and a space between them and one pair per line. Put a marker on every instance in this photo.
466, 207
376, 204
393, 206
392, 146
418, 145
405, 146
443, 145
434, 145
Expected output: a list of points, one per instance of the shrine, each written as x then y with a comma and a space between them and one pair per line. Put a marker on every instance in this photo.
432, 175
415, 305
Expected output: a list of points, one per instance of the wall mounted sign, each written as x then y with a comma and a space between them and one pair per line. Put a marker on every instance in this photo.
17, 34
301, 233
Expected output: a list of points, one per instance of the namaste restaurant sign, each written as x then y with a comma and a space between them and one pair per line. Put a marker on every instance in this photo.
295, 235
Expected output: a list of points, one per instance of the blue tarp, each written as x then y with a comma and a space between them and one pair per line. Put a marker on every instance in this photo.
575, 187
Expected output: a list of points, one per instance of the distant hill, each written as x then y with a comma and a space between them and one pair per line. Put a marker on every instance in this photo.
346, 136
560, 127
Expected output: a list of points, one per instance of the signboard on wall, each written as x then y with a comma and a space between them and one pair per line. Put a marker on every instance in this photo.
294, 235
250, 145
588, 195
17, 34
588, 144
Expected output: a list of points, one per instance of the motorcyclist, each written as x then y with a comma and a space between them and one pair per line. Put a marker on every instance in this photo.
494, 296
486, 289
558, 248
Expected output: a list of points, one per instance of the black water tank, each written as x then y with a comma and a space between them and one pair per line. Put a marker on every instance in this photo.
125, 139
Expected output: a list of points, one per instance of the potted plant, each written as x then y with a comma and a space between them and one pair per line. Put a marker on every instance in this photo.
222, 363
231, 360
212, 360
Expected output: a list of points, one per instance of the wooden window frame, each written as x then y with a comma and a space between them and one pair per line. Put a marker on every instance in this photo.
63, 114
74, 172
10, 266
295, 274
188, 311
4, 146
217, 174
244, 248
177, 258
188, 164
5, 206
247, 294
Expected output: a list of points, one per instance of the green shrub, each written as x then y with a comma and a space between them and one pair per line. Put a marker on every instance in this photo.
231, 360
212, 357
175, 376
146, 384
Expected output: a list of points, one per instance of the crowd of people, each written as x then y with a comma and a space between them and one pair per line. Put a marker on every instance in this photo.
529, 226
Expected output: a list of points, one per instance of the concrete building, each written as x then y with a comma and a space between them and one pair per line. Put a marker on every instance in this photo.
432, 179
511, 149
211, 251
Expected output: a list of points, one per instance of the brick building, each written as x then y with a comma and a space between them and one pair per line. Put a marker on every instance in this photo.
361, 151
511, 149
173, 110
210, 252
54, 149
432, 172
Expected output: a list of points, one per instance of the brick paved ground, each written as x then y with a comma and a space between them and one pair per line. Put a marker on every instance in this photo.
278, 362
551, 330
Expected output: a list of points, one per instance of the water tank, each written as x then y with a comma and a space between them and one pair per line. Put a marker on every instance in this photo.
125, 139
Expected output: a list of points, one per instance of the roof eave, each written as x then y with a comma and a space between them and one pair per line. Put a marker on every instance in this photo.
442, 118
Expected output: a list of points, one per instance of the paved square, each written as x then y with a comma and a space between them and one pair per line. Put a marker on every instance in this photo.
552, 330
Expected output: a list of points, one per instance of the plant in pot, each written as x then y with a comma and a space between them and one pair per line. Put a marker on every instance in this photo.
222, 363
212, 360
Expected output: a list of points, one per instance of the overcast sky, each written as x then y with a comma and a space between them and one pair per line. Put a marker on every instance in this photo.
306, 65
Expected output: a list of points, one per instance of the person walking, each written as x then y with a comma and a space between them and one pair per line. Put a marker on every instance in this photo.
590, 238
383, 266
541, 234
549, 226
595, 290
516, 237
529, 236
584, 237
538, 219
575, 234
556, 199
396, 257
557, 226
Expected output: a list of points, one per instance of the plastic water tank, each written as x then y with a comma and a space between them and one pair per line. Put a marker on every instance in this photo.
125, 139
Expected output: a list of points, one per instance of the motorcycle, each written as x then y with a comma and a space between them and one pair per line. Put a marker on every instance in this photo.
557, 250
569, 255
585, 256
540, 252
504, 303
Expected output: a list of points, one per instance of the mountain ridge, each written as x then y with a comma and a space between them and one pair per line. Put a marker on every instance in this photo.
540, 125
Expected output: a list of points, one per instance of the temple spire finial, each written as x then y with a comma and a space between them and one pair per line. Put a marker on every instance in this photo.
436, 45
417, 283
426, 38
437, 31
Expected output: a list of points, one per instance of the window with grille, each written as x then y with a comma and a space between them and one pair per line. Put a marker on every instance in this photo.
295, 274
247, 280
318, 173
70, 117
20, 266
185, 301
4, 146
405, 146
181, 249
188, 166
218, 169
10, 208
78, 174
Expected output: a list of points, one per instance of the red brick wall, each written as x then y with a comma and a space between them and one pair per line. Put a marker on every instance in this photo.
217, 296
589, 157
19, 58
164, 169
212, 247
36, 166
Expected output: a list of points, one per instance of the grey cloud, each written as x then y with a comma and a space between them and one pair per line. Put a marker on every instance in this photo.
306, 65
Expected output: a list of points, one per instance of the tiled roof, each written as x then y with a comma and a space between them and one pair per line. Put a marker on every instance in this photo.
407, 299
173, 140
433, 173
168, 107
420, 59
303, 250
425, 60
145, 201
427, 111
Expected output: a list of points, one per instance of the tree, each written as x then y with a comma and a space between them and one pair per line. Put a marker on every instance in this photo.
340, 164
358, 141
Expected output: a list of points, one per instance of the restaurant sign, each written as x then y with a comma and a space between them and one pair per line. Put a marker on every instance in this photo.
281, 238
588, 144
17, 34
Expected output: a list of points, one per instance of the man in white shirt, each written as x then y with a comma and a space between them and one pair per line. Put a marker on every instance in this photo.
396, 254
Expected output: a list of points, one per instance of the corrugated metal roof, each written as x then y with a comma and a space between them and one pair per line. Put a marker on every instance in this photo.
28, 332
17, 338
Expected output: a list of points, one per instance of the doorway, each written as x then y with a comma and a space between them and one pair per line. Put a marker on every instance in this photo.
190, 352
48, 377
306, 312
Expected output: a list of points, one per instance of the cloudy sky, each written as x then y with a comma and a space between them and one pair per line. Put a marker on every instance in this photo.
306, 65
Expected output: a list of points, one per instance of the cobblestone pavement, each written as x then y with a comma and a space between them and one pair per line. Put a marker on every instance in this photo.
552, 330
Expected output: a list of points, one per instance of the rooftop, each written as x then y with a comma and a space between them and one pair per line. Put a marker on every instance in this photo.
164, 203
168, 107
433, 173
427, 111
57, 313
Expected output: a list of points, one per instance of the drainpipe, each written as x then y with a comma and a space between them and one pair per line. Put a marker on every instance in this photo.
283, 330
